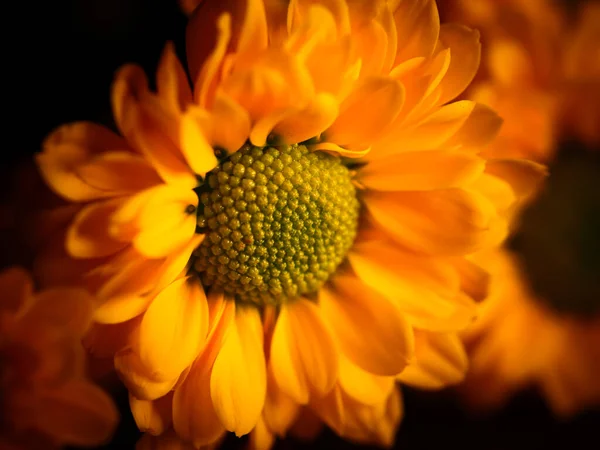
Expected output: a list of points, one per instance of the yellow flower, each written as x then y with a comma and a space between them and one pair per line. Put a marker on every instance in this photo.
518, 342
541, 72
335, 191
542, 75
47, 402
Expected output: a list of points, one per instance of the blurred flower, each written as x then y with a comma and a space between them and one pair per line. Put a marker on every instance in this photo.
537, 328
294, 232
46, 400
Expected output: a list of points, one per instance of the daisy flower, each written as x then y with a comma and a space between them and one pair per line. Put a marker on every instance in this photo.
543, 76
47, 402
292, 233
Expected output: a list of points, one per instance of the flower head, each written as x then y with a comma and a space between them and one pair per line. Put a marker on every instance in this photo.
334, 190
46, 401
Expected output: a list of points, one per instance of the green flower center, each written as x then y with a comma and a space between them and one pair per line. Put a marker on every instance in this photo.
278, 223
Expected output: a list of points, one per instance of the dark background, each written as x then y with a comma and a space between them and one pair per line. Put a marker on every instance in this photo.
60, 58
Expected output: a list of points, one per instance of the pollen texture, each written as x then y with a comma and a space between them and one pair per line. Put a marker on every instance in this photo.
278, 223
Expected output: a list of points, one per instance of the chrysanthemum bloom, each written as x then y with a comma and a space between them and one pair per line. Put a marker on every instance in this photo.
541, 72
291, 234
45, 399
543, 76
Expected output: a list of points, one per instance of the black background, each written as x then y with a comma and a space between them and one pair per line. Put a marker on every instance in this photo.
59, 60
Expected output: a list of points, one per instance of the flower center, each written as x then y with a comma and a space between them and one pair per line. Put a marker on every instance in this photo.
279, 221
559, 238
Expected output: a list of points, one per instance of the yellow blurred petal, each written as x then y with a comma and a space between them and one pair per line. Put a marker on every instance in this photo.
137, 379
16, 287
253, 34
523, 176
238, 384
77, 413
413, 219
261, 437
425, 289
303, 353
366, 112
152, 416
440, 360
418, 27
370, 329
88, 236
174, 328
280, 410
171, 81
465, 56
474, 280
421, 171
509, 63
89, 136
363, 386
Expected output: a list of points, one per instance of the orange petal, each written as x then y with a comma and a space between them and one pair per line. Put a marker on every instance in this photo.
239, 400
88, 236
171, 81
119, 173
253, 34
413, 219
363, 386
416, 171
230, 123
137, 379
16, 287
366, 112
174, 328
425, 289
68, 308
92, 137
261, 437
280, 410
152, 416
480, 128
370, 329
523, 176
303, 353
77, 413
418, 27
440, 360
465, 51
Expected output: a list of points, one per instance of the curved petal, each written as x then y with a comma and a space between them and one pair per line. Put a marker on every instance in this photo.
370, 329
303, 353
152, 416
171, 81
239, 400
421, 171
137, 379
418, 27
362, 386
366, 112
174, 328
230, 123
440, 360
280, 410
480, 128
413, 219
523, 176
89, 236
195, 146
465, 49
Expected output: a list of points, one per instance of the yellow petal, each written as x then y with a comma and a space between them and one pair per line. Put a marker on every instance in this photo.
171, 81
238, 384
413, 219
77, 413
418, 26
303, 353
194, 145
121, 308
88, 236
371, 330
425, 289
523, 176
367, 112
280, 410
137, 379
480, 128
421, 171
440, 360
152, 416
363, 386
344, 152
16, 287
261, 437
174, 328
230, 123
465, 51
253, 34
308, 122
149, 126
